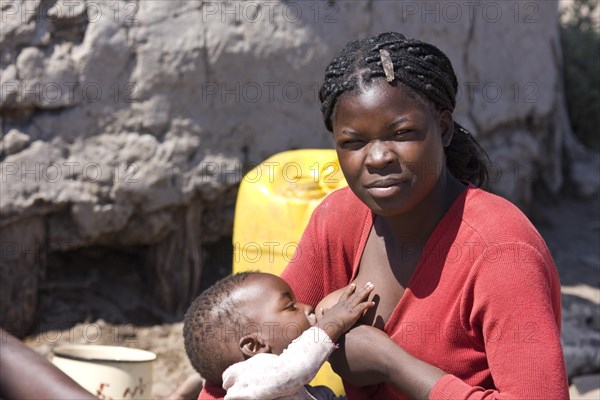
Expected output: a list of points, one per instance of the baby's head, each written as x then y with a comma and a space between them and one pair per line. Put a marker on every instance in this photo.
240, 316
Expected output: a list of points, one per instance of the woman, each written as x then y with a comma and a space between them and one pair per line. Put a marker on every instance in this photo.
468, 297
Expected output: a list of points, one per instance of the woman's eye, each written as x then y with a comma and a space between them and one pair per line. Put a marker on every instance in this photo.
291, 306
400, 134
352, 143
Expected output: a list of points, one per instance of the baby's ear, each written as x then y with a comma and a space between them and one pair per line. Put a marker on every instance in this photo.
252, 344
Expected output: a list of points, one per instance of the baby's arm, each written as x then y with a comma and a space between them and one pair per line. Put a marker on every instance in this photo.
267, 376
337, 320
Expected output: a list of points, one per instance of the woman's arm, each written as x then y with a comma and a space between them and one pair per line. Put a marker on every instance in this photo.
367, 356
49, 382
512, 304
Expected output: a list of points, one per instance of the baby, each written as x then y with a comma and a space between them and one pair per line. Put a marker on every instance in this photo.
248, 334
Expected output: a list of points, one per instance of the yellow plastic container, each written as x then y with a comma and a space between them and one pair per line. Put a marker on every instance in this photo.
274, 204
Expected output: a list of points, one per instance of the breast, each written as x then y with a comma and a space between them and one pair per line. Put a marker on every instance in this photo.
386, 294
389, 268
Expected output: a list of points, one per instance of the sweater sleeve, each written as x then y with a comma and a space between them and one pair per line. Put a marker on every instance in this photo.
329, 246
511, 308
304, 273
267, 376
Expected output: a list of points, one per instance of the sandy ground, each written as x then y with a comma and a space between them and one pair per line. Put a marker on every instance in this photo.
121, 315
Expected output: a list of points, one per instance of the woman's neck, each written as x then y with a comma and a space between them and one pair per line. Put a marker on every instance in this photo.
416, 226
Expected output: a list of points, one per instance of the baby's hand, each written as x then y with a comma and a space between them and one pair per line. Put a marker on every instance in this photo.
342, 316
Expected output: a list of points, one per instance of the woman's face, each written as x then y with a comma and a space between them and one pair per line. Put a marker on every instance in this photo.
390, 146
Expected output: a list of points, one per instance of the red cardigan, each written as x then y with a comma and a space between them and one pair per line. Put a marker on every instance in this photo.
483, 303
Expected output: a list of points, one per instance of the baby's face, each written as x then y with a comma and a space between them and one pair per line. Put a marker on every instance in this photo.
272, 306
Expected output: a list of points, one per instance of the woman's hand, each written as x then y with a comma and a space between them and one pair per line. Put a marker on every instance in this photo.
361, 357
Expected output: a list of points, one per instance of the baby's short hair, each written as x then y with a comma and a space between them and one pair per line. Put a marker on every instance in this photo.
211, 323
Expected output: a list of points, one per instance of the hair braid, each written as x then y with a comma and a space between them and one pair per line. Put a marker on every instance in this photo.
427, 74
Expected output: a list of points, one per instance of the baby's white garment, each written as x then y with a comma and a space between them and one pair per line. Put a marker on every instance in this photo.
267, 376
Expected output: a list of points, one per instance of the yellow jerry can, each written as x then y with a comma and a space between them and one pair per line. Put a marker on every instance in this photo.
274, 204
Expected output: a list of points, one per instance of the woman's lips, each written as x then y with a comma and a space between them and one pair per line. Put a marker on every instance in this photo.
384, 191
385, 187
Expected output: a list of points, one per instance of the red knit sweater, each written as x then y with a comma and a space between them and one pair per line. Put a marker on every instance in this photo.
483, 303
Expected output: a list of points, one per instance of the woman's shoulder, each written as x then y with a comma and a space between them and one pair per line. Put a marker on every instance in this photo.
496, 219
503, 236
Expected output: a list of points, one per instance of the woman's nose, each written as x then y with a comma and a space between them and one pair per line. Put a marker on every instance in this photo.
379, 155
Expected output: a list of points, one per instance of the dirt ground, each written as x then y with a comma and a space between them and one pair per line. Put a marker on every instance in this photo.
105, 310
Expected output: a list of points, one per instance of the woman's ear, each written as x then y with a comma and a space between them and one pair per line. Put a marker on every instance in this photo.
447, 127
251, 345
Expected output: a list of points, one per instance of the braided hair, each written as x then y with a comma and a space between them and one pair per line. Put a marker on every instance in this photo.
424, 72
